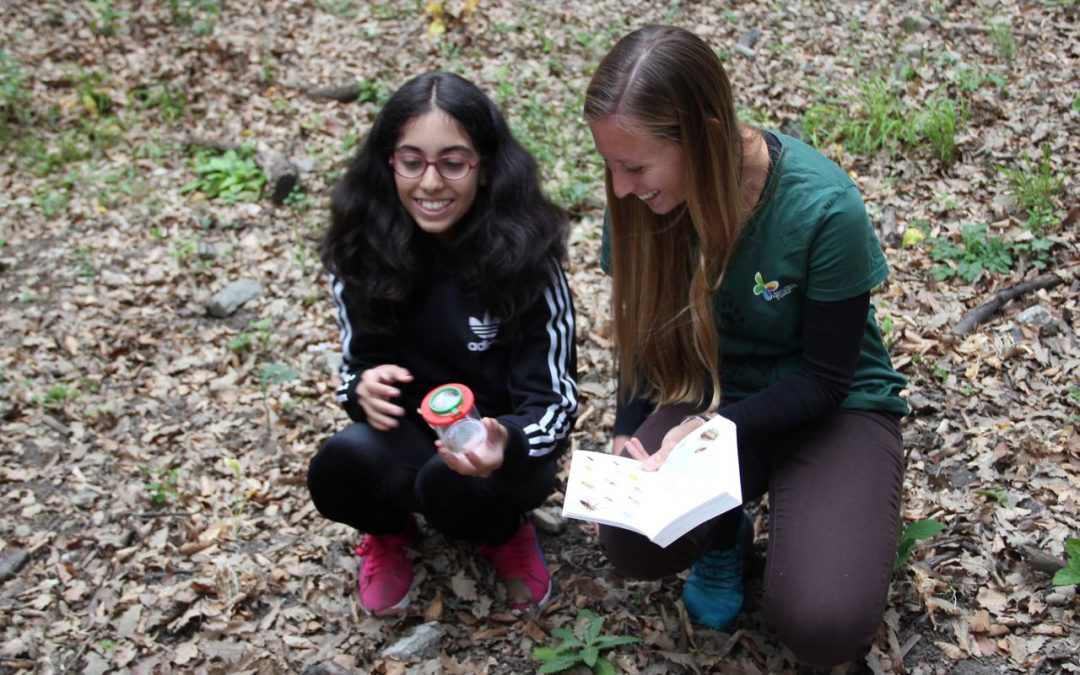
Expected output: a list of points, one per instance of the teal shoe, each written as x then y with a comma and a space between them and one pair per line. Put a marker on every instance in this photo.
713, 593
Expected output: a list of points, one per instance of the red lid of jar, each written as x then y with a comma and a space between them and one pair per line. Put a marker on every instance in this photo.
447, 404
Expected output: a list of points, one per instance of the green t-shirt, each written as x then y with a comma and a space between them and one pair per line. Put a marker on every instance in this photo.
811, 238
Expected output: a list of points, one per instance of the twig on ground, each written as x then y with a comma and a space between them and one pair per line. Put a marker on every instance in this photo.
990, 307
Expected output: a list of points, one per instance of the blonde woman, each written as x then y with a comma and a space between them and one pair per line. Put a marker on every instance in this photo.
742, 263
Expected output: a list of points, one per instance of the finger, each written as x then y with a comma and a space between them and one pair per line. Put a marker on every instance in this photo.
480, 466
636, 450
456, 462
653, 463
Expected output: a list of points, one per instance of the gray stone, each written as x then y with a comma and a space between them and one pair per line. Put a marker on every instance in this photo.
1039, 317
229, 299
281, 175
548, 521
11, 562
423, 643
915, 24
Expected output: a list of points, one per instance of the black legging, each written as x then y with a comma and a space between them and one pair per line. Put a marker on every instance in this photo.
834, 503
372, 480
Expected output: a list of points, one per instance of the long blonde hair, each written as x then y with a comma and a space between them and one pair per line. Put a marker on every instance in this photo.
666, 83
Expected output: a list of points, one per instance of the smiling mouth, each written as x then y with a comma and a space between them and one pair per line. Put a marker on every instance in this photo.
433, 206
647, 197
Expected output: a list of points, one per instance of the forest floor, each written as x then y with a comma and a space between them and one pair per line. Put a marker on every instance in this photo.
152, 471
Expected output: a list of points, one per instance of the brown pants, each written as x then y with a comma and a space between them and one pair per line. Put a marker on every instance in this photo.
834, 504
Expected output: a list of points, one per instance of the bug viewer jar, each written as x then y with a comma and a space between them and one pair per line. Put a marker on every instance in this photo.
451, 411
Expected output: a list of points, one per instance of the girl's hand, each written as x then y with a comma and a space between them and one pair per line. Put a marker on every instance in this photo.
375, 390
483, 461
671, 439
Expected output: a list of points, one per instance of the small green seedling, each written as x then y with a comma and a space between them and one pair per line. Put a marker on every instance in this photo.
1070, 574
162, 483
581, 645
910, 536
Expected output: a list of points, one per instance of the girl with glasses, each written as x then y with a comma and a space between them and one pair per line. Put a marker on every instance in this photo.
445, 262
742, 264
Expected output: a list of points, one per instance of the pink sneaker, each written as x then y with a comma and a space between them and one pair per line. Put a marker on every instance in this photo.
385, 573
520, 564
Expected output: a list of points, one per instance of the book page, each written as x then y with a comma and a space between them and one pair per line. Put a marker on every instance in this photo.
702, 467
610, 489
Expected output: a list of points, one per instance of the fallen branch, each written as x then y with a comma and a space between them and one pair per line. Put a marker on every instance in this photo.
990, 307
1041, 560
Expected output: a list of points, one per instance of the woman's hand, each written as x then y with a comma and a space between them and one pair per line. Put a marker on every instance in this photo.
375, 391
483, 461
618, 443
671, 439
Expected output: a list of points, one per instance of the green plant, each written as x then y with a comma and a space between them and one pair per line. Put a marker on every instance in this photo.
997, 494
583, 644
184, 249
199, 14
977, 251
1035, 187
938, 125
105, 17
14, 96
57, 396
85, 268
874, 119
1001, 34
229, 177
910, 535
241, 342
168, 99
161, 484
1070, 574
877, 119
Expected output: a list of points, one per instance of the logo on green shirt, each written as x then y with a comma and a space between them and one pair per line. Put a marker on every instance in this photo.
770, 290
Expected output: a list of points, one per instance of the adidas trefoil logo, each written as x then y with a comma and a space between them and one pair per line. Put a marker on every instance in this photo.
486, 329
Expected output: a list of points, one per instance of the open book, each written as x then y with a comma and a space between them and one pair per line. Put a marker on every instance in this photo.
699, 480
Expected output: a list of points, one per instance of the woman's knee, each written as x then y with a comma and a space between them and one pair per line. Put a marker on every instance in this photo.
823, 634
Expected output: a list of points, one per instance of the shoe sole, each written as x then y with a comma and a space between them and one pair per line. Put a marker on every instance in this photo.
399, 608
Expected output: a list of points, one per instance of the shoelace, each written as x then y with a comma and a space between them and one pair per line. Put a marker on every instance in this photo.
720, 568
374, 552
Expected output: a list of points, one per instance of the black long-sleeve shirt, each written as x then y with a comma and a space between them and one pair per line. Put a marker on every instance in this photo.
524, 375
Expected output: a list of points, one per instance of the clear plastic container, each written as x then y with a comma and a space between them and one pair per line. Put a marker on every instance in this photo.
450, 410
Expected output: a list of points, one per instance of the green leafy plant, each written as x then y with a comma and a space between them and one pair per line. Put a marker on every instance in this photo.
1001, 34
1070, 574
161, 483
977, 251
997, 494
14, 96
105, 18
57, 396
938, 125
583, 645
910, 535
229, 177
1035, 186
199, 14
877, 119
167, 98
